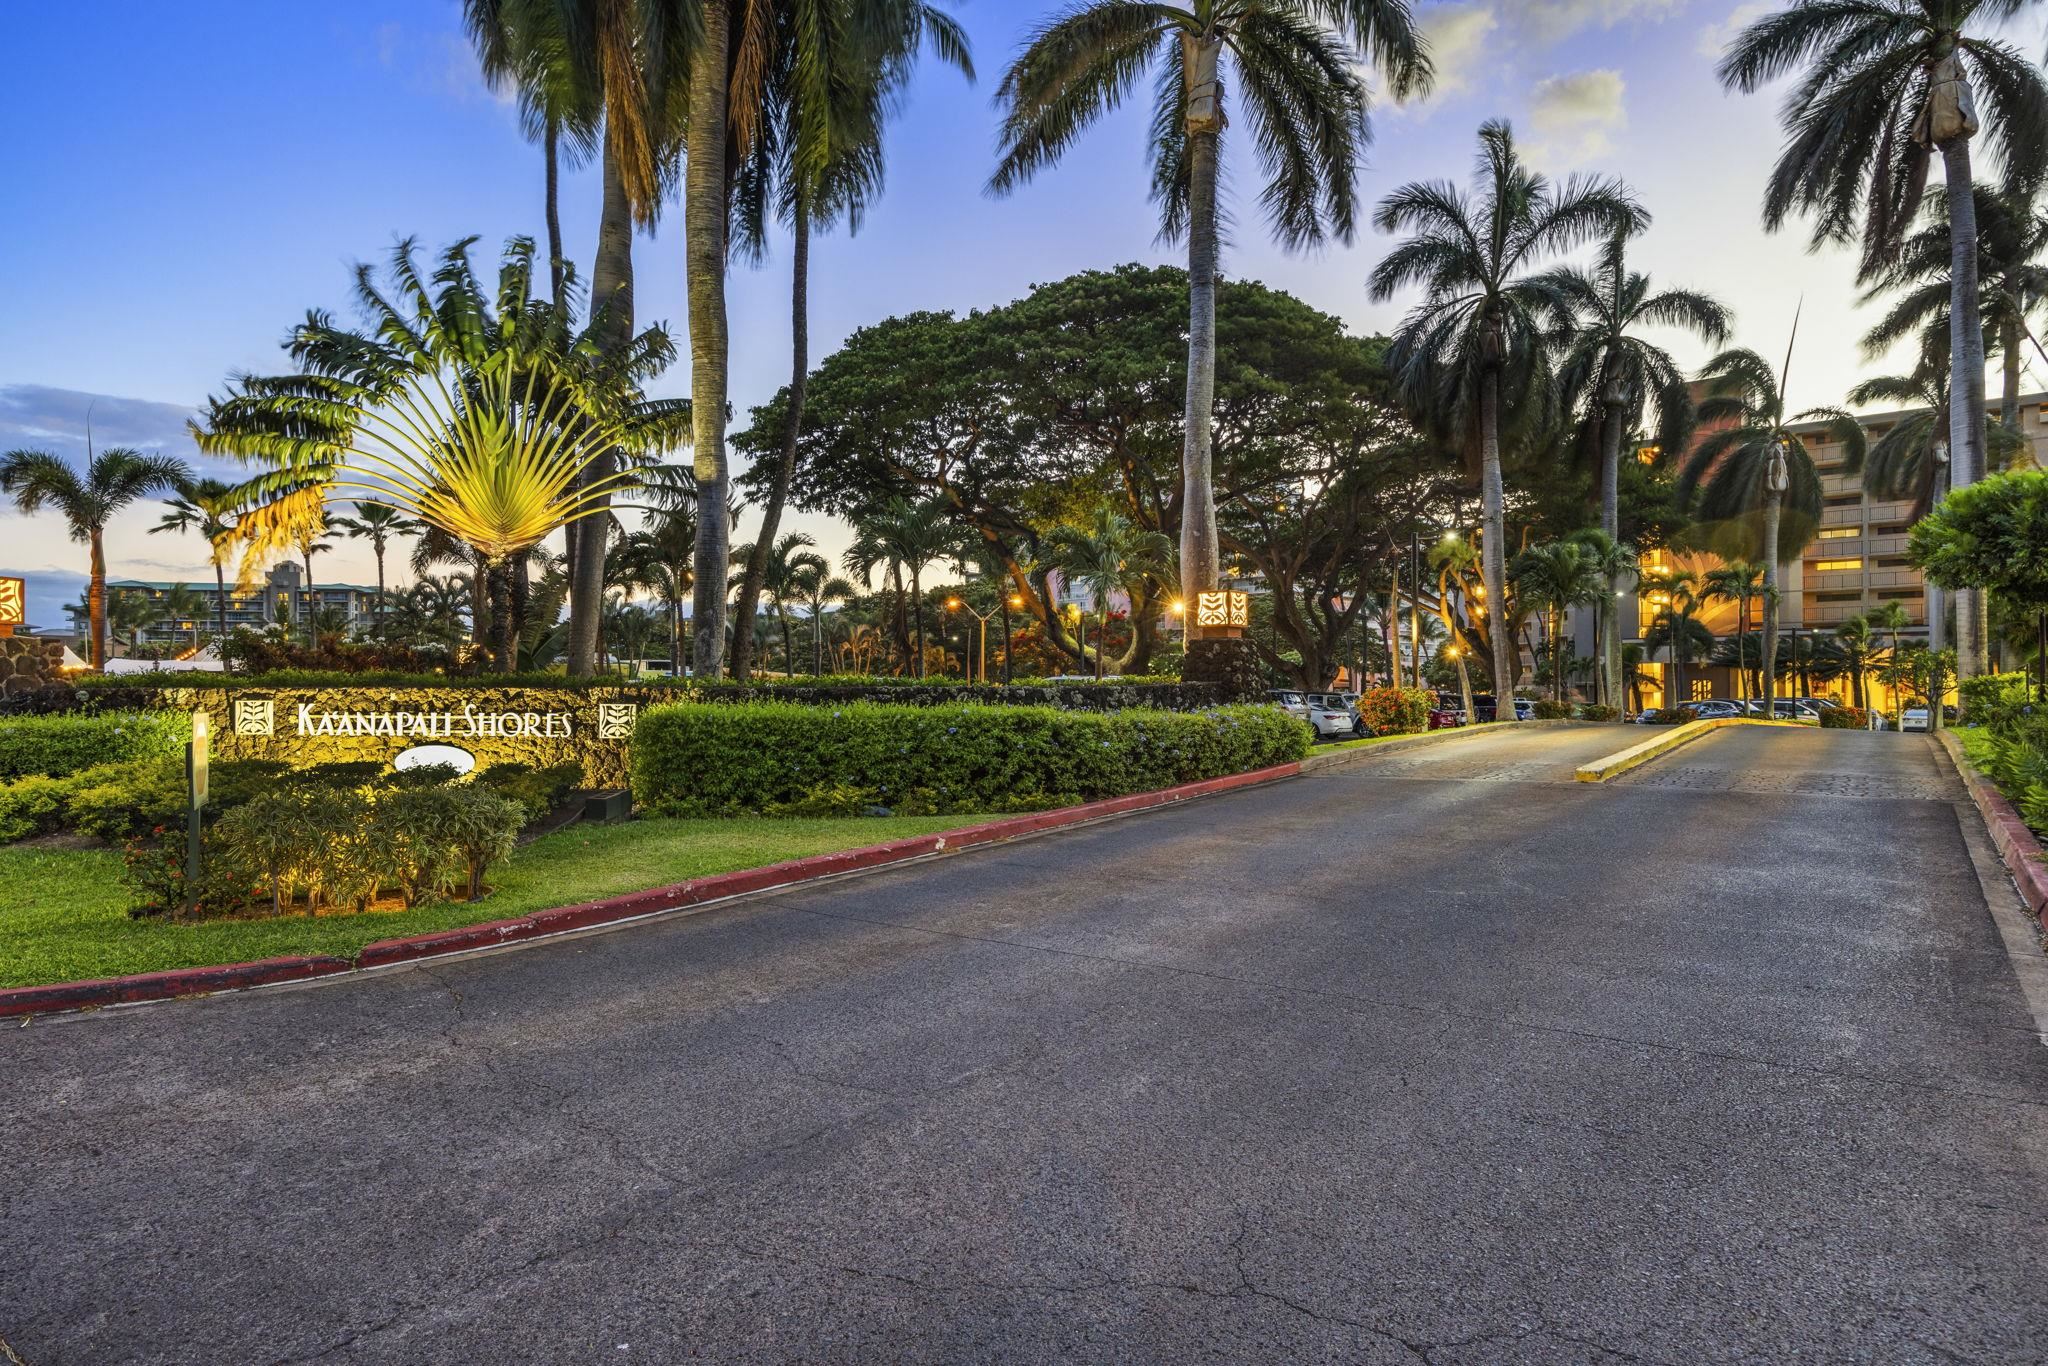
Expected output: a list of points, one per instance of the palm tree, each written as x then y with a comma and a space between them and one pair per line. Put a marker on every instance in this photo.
1476, 341
1855, 639
372, 412
817, 160
1558, 576
112, 479
657, 557
184, 605
2012, 268
906, 536
1753, 478
781, 561
1297, 67
209, 507
1634, 675
1743, 582
1614, 561
377, 524
1109, 554
812, 582
1886, 86
1891, 618
1676, 598
130, 613
1616, 379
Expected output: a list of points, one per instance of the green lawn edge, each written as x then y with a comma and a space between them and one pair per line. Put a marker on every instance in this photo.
64, 913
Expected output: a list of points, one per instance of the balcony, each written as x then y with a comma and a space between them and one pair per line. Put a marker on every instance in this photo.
1846, 581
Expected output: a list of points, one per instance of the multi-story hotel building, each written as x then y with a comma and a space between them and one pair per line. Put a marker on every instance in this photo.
1855, 564
280, 599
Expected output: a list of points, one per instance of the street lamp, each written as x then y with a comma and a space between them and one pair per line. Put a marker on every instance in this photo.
983, 618
1180, 609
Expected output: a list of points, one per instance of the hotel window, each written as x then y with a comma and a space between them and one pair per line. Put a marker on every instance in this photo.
1836, 566
1899, 594
1894, 528
1839, 597
1893, 562
1844, 500
1840, 533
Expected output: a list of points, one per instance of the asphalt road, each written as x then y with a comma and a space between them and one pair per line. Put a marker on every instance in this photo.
1439, 1057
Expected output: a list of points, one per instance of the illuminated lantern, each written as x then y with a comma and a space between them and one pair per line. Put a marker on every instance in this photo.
1222, 611
13, 605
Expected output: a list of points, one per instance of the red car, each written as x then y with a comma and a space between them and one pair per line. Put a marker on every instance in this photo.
1446, 711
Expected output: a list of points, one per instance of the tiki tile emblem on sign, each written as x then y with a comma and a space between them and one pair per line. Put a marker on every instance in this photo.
615, 720
1223, 609
13, 603
255, 718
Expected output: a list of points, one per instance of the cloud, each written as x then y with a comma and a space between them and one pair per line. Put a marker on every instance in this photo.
1458, 47
42, 418
1575, 115
1714, 39
1550, 20
440, 63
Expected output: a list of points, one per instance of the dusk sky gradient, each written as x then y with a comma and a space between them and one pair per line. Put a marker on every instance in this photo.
186, 181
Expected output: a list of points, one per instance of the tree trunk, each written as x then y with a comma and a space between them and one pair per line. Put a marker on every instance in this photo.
502, 649
220, 599
1200, 567
1966, 379
704, 214
792, 432
1394, 625
611, 290
312, 632
521, 606
379, 548
96, 602
551, 156
2009, 393
1492, 559
917, 606
1610, 522
1768, 665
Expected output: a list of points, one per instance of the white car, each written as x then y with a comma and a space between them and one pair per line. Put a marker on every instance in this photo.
1913, 718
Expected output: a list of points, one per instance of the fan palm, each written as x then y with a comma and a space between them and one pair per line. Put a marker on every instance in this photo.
1106, 555
1857, 643
87, 500
1885, 86
478, 414
835, 71
1752, 479
1476, 341
907, 537
1297, 66
1742, 582
1616, 379
209, 507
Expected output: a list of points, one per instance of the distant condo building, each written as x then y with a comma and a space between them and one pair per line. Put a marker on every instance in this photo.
280, 599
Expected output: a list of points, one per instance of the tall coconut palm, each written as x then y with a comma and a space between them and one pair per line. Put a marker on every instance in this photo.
906, 536
836, 70
1616, 379
1476, 345
1297, 67
1886, 85
379, 525
1615, 562
209, 507
526, 49
371, 415
87, 500
1106, 555
1742, 582
2012, 268
1752, 478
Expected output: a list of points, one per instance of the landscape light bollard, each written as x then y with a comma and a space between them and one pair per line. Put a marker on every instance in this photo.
195, 798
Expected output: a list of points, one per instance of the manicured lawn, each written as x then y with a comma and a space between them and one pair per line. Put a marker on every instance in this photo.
1976, 743
64, 913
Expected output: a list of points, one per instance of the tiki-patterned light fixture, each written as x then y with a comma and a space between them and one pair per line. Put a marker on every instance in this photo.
1222, 611
13, 605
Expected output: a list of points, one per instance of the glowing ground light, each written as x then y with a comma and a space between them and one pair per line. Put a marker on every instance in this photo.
13, 602
1218, 608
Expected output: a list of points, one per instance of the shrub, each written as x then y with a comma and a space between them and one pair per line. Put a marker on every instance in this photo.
1548, 710
34, 805
538, 790
1676, 716
57, 746
693, 759
1594, 711
1394, 711
155, 867
1844, 718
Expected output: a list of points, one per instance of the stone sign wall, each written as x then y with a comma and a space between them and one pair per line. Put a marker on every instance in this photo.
29, 662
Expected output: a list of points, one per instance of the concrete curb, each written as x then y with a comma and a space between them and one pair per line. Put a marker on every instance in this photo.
1316, 763
2017, 845
1635, 756
696, 893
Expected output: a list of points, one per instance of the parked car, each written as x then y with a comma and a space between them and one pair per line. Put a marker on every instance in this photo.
1646, 717
1335, 704
1914, 718
1715, 709
1446, 711
1795, 709
1293, 703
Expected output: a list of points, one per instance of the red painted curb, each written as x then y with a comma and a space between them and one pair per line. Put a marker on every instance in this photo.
157, 986
2016, 843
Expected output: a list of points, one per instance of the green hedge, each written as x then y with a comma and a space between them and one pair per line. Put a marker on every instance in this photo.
781, 758
1844, 718
58, 746
1394, 711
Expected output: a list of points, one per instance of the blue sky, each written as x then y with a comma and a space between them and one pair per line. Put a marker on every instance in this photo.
185, 181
